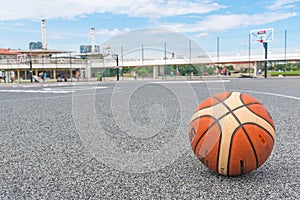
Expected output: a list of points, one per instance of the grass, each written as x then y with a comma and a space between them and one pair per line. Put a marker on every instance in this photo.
287, 73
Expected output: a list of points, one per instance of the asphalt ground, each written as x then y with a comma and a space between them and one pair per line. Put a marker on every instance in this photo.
129, 140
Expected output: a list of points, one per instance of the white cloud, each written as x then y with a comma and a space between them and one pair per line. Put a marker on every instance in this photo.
57, 37
231, 21
282, 4
202, 35
17, 25
33, 9
172, 8
106, 32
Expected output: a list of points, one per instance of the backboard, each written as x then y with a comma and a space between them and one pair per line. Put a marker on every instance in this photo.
107, 50
262, 35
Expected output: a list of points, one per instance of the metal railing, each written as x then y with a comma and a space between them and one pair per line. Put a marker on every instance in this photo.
223, 56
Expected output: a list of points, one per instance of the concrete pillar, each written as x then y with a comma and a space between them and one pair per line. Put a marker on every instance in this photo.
88, 71
255, 70
155, 71
54, 73
82, 74
162, 70
18, 75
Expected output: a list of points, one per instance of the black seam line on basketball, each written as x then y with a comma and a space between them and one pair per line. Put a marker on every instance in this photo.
237, 119
262, 117
230, 111
221, 101
227, 112
219, 127
248, 104
217, 167
215, 122
244, 105
231, 139
257, 114
229, 155
214, 104
252, 123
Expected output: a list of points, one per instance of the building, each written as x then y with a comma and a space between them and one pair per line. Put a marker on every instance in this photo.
88, 49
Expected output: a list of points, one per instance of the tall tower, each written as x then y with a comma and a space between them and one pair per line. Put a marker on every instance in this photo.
93, 39
44, 44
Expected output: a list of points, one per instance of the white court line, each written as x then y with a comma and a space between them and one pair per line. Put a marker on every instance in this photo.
27, 86
265, 93
52, 97
75, 89
38, 91
210, 81
52, 90
271, 94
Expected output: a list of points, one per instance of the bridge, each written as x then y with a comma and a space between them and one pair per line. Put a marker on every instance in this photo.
91, 62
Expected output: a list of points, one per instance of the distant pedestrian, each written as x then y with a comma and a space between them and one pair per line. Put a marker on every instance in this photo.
229, 72
77, 75
1, 74
134, 75
4, 76
12, 76
219, 71
44, 76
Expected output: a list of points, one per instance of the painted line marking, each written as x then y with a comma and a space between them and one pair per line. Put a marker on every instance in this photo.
75, 89
272, 94
37, 91
258, 92
53, 90
210, 81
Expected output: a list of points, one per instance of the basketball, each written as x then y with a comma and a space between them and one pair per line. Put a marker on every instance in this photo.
232, 133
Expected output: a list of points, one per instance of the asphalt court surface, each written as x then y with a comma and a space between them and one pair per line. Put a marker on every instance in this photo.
129, 140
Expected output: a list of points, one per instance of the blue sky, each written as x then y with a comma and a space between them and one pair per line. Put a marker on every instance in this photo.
68, 22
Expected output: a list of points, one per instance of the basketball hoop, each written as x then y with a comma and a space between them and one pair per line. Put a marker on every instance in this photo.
107, 50
262, 35
260, 32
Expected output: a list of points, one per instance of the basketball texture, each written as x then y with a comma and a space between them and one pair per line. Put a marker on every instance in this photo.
232, 133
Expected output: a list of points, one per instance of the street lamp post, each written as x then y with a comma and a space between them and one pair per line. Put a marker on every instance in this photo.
116, 57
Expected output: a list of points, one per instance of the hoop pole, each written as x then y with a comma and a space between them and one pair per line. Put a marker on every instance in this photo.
266, 56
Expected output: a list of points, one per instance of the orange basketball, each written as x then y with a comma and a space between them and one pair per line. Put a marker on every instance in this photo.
232, 133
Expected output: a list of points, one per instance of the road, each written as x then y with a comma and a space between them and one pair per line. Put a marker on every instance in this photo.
129, 140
